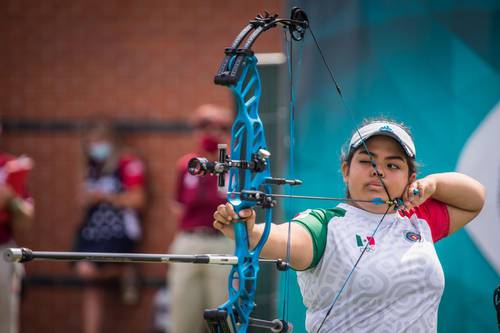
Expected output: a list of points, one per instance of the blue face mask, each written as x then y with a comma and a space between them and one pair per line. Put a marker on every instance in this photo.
100, 151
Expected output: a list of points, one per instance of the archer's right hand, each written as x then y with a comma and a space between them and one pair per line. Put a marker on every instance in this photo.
225, 216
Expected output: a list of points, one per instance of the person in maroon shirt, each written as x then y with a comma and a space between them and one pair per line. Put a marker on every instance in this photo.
16, 210
197, 287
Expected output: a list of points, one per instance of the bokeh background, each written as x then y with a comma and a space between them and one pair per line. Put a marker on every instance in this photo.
146, 65
431, 64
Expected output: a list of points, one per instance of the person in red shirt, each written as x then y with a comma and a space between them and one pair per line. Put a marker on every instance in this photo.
198, 287
16, 210
113, 195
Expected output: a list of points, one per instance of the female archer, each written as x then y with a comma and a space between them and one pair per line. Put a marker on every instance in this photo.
364, 266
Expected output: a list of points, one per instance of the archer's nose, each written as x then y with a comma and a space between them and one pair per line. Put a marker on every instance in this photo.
376, 172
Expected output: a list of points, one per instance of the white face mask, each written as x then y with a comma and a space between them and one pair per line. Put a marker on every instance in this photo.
100, 151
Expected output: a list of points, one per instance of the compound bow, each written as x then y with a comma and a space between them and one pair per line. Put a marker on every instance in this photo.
249, 171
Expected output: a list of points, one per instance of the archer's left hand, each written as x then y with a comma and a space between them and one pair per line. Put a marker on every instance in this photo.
418, 192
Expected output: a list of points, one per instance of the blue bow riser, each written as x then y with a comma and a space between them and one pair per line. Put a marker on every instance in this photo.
247, 137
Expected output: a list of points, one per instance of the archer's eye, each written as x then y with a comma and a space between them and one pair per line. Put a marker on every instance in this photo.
393, 166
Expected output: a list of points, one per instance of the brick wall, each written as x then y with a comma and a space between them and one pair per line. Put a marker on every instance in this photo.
130, 60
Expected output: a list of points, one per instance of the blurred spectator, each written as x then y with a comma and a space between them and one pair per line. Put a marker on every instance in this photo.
197, 287
16, 210
112, 196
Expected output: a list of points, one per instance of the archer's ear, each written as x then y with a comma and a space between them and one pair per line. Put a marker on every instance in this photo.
412, 178
345, 171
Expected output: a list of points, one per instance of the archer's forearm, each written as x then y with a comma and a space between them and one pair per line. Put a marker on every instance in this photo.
275, 246
458, 190
278, 244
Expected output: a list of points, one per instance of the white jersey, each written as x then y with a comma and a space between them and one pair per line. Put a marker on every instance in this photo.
399, 281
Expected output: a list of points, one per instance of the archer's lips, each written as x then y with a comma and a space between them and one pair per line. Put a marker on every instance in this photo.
374, 185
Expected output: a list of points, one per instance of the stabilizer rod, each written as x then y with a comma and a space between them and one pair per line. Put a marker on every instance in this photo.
24, 255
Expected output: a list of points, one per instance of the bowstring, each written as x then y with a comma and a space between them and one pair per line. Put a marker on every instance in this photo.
344, 104
291, 155
372, 162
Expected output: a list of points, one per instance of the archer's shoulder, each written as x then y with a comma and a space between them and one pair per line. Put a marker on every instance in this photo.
323, 215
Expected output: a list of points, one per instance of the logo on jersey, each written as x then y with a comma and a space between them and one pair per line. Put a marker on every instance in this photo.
412, 236
363, 241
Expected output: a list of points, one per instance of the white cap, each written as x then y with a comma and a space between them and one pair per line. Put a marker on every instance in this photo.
384, 128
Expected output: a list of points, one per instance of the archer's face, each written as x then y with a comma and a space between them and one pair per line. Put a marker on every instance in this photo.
362, 180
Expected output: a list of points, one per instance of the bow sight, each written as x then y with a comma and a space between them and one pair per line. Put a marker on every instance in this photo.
201, 166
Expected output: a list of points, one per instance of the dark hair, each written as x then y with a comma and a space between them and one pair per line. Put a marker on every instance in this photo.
347, 153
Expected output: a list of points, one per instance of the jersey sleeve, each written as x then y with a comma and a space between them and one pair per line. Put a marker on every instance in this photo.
132, 172
436, 214
315, 221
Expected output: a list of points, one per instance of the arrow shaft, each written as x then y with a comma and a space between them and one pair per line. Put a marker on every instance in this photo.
309, 197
